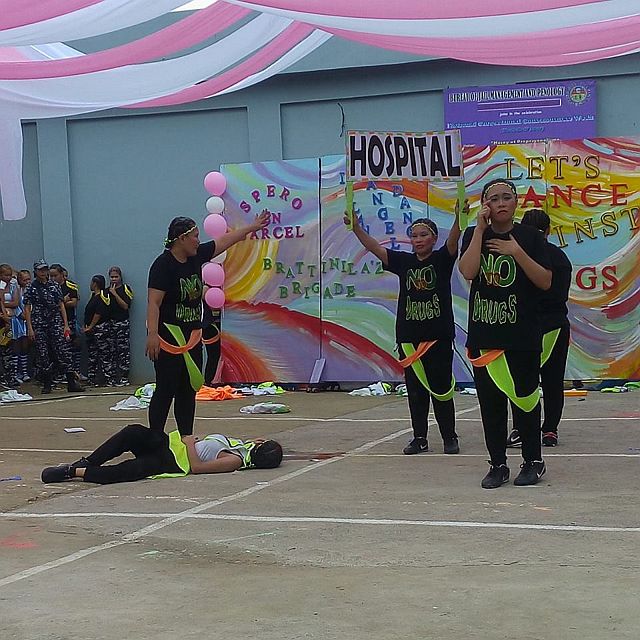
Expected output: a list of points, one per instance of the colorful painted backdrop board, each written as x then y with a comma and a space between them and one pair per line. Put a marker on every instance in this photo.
311, 291
271, 322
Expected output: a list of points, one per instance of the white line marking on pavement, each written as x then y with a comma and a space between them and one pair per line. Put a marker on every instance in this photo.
425, 456
173, 518
320, 520
280, 418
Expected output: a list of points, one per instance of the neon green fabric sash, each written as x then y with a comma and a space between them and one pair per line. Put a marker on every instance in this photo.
421, 374
179, 450
195, 375
498, 371
549, 340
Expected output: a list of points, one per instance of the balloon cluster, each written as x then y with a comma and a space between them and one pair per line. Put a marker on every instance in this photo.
215, 226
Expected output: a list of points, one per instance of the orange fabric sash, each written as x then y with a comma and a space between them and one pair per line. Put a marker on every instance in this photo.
485, 359
194, 339
423, 347
212, 340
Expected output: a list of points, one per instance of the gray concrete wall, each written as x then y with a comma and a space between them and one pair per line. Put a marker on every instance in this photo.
101, 189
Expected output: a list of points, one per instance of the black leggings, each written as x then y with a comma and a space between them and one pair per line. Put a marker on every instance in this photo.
552, 378
173, 385
437, 362
524, 367
151, 451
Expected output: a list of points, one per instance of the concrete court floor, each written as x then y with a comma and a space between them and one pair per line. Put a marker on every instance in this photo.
371, 544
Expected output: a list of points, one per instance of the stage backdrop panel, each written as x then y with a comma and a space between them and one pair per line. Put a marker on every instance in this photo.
271, 320
309, 290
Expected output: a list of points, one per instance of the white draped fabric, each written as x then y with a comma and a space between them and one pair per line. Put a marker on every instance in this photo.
45, 78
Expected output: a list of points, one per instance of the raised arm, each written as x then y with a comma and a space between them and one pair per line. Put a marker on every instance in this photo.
454, 233
231, 237
469, 263
368, 242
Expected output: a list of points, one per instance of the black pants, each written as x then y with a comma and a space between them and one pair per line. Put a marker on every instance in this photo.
552, 378
438, 363
172, 385
524, 367
151, 451
213, 352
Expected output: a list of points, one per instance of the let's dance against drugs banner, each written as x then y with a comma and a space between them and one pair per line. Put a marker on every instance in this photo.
304, 288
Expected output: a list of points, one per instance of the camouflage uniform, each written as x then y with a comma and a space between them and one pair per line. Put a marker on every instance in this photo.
46, 320
99, 340
120, 334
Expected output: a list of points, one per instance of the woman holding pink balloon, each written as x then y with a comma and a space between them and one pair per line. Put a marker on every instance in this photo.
174, 313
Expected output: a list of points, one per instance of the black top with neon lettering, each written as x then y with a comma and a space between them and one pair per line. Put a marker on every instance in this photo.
424, 301
182, 286
553, 303
503, 302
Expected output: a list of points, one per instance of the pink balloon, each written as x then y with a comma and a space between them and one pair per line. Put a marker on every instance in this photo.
215, 183
215, 225
213, 274
214, 298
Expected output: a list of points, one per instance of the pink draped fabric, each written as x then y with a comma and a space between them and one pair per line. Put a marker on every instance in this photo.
17, 13
417, 9
259, 61
549, 48
183, 34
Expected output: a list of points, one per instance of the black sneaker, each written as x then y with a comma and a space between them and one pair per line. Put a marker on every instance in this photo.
498, 474
550, 439
530, 473
83, 463
514, 439
451, 446
58, 474
417, 445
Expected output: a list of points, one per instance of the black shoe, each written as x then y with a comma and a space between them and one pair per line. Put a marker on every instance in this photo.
46, 388
73, 385
58, 474
451, 446
83, 463
497, 476
550, 439
530, 473
514, 439
417, 445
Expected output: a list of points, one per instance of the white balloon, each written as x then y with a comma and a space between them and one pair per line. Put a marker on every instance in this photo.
220, 258
215, 204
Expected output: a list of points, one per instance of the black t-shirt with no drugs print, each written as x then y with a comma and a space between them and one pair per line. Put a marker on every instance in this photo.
182, 286
424, 301
503, 302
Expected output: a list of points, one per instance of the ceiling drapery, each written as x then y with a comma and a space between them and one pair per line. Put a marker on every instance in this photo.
41, 77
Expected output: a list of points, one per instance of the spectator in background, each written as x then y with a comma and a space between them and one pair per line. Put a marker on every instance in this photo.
97, 331
19, 330
120, 295
47, 324
71, 298
10, 306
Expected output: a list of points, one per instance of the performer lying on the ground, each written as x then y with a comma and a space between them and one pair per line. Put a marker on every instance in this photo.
160, 455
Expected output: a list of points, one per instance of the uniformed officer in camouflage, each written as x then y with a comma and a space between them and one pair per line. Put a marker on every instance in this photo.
120, 295
47, 325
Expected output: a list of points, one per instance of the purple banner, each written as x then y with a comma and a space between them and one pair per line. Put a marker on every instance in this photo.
522, 112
